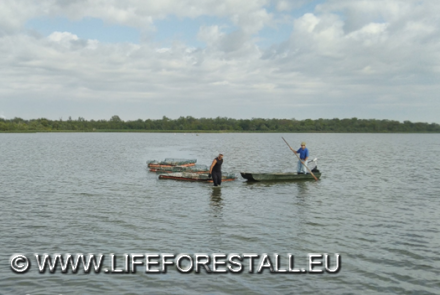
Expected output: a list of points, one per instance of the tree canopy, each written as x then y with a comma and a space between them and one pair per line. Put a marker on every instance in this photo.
219, 124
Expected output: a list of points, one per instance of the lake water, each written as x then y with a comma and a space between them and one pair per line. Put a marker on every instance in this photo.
377, 205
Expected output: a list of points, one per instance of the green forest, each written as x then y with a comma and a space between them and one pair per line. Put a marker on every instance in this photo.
219, 124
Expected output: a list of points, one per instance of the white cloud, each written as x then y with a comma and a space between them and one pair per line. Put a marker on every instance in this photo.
62, 37
286, 5
341, 60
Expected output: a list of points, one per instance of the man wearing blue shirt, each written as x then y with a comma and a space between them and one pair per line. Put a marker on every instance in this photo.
303, 155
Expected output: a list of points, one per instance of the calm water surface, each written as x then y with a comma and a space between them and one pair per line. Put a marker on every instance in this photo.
377, 204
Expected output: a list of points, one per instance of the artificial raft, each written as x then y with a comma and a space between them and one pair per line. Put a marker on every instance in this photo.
170, 163
201, 177
191, 169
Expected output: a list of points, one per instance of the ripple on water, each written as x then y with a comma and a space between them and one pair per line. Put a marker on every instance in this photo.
92, 193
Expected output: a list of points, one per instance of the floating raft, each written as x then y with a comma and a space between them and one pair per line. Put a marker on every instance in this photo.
292, 176
169, 163
202, 177
191, 169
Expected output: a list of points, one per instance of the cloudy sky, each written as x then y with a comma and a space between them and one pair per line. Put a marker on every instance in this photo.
233, 58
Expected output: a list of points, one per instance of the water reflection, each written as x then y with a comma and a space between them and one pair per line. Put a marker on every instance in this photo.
303, 189
216, 201
216, 223
302, 183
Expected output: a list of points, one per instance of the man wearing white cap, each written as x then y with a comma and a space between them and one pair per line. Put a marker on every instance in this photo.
303, 155
216, 170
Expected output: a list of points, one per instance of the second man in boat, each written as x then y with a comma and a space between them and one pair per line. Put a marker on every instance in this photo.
303, 155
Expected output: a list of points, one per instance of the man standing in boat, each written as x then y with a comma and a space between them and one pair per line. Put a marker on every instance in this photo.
303, 155
216, 170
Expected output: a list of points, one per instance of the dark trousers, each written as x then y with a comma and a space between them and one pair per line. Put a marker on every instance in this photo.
217, 178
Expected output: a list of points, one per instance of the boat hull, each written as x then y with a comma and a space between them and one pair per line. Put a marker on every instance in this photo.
195, 177
291, 176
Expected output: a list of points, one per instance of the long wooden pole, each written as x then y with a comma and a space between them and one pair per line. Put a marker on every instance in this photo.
301, 161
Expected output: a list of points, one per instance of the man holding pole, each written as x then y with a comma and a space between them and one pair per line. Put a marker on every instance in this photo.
303, 156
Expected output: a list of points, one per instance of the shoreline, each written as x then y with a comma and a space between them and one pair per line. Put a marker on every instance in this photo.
206, 131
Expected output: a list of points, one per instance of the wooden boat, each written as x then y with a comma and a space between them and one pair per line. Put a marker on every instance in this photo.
157, 168
191, 169
169, 163
289, 176
185, 176
281, 176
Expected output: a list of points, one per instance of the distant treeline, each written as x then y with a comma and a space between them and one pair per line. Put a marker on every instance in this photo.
217, 124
